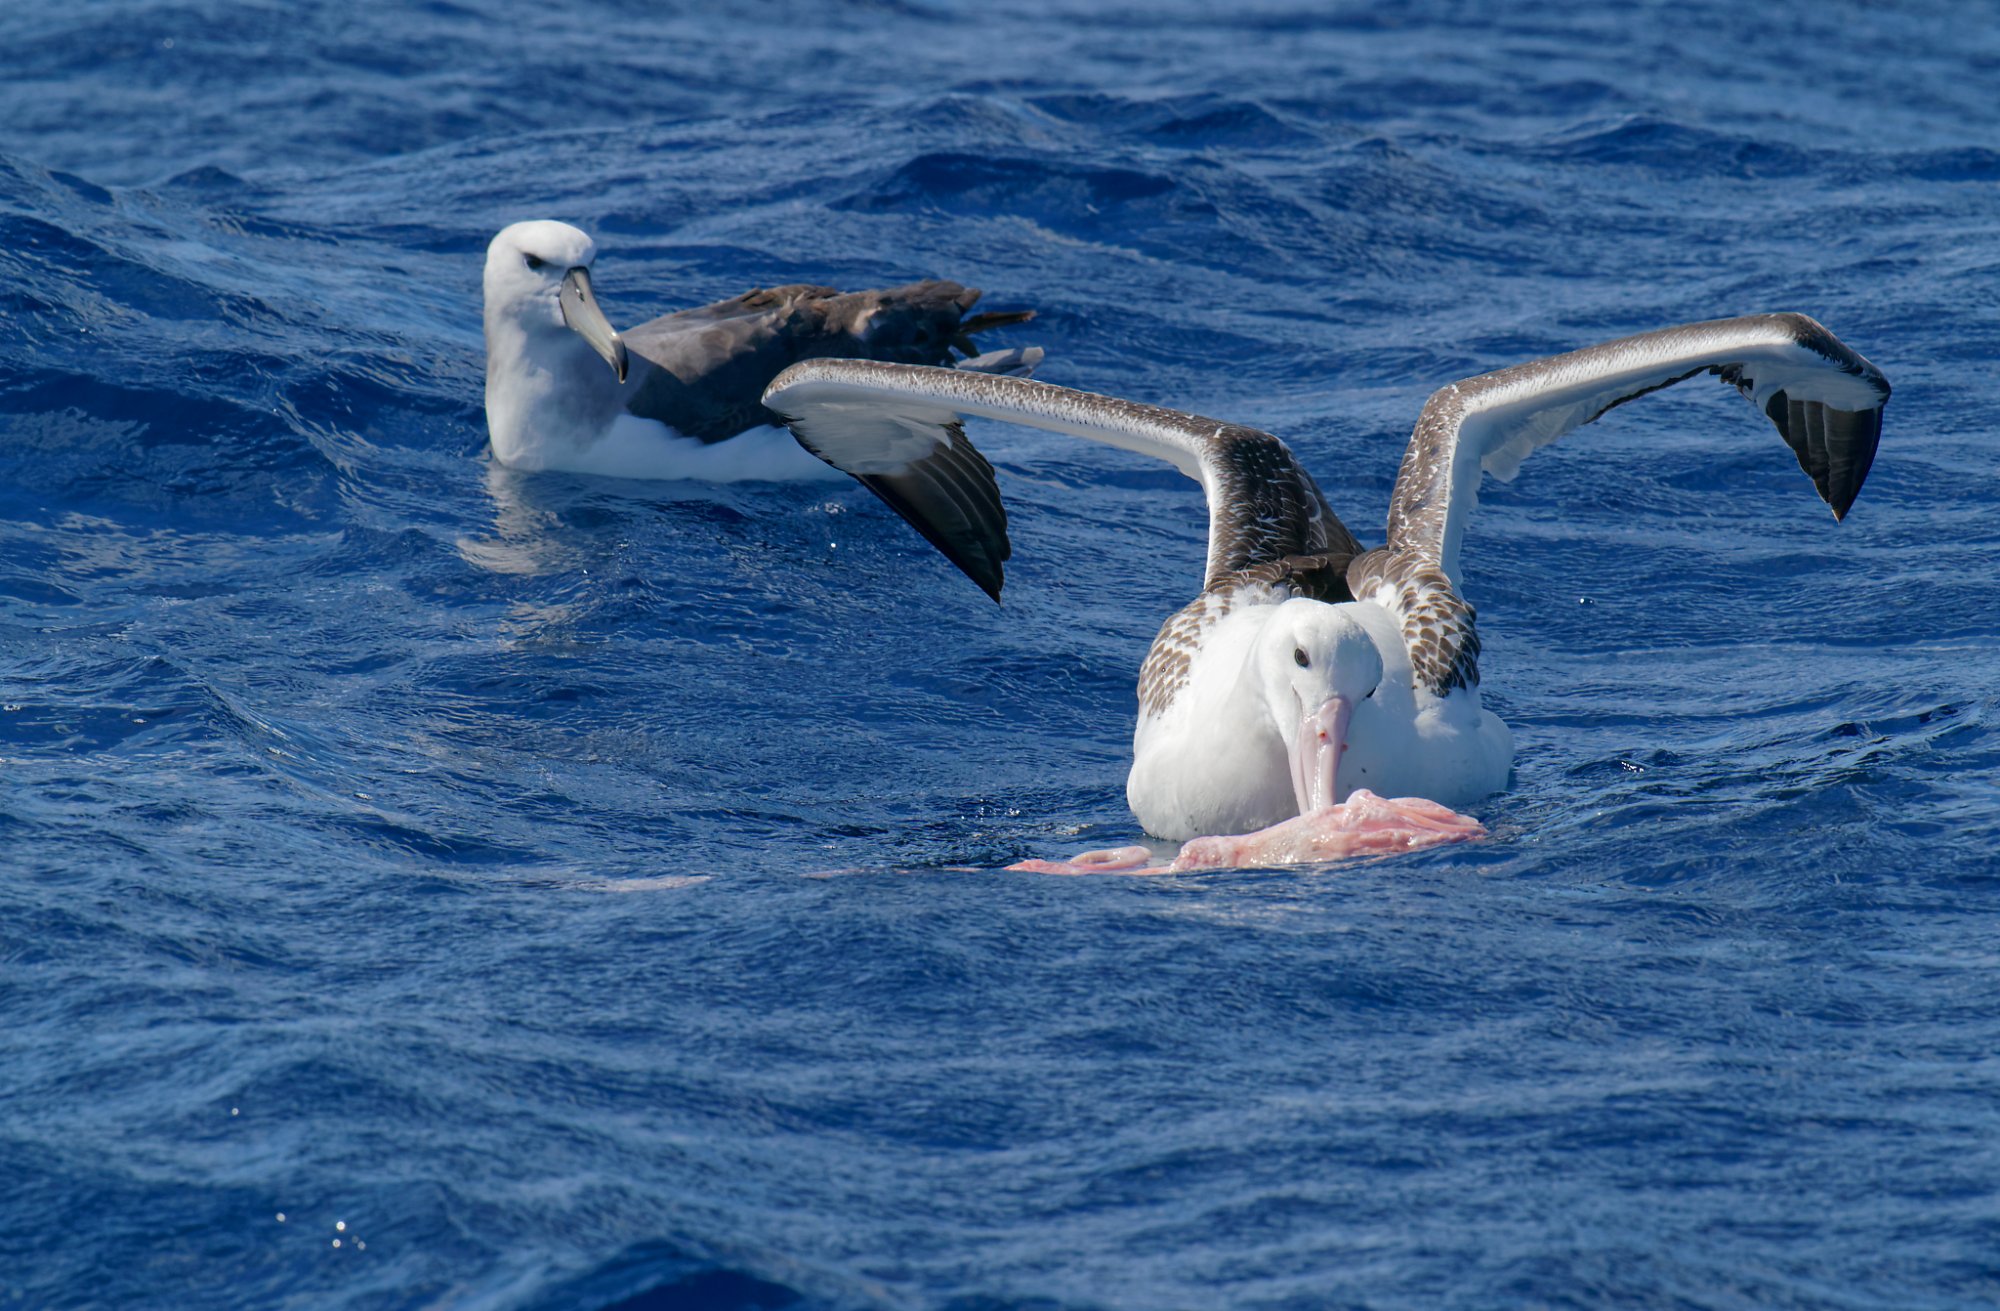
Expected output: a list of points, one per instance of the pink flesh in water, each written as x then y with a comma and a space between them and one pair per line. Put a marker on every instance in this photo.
1363, 825
1112, 860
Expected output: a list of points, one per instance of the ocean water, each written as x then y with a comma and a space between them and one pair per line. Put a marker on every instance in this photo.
424, 886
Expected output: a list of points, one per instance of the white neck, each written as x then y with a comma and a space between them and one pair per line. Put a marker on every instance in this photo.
548, 394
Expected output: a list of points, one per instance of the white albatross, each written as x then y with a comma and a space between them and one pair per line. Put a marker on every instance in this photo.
677, 397
1309, 671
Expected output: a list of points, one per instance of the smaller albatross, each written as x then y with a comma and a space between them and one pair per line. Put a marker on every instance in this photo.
678, 397
1311, 678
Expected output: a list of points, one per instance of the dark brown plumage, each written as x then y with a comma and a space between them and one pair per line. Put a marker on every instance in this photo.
710, 365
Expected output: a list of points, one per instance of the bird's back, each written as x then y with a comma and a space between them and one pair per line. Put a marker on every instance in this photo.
710, 365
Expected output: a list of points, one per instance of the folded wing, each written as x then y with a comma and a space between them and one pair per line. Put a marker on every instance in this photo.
704, 368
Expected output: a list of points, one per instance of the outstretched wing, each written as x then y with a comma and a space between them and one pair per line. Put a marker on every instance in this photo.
897, 429
1825, 400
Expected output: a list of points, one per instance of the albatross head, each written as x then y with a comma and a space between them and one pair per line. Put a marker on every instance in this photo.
1315, 664
538, 283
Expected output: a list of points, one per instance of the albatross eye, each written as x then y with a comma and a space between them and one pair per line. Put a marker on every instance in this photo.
534, 262
1299, 658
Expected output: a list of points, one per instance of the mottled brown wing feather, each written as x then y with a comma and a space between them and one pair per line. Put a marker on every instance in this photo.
1824, 399
1439, 626
1272, 537
1264, 507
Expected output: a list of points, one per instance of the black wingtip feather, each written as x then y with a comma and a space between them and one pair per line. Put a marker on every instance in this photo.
952, 498
975, 559
1854, 436
1835, 448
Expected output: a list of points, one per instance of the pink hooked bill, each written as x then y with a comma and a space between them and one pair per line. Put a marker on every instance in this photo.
1316, 756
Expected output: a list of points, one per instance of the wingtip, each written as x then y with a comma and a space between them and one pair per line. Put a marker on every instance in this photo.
1839, 499
987, 576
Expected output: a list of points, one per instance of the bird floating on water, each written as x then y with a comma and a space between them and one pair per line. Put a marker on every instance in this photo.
678, 397
1312, 678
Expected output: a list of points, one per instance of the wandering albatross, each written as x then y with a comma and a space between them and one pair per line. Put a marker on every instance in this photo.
678, 397
1311, 671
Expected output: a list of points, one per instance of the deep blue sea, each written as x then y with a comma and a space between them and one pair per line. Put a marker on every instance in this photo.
423, 886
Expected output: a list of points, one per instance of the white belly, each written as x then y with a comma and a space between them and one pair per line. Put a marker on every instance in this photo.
645, 448
1214, 762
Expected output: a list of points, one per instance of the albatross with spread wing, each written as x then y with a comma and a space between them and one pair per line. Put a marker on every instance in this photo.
1311, 677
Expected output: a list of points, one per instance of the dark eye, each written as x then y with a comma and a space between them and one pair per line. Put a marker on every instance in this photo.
1299, 658
534, 261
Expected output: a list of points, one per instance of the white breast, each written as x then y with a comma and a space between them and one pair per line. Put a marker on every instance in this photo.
1213, 761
